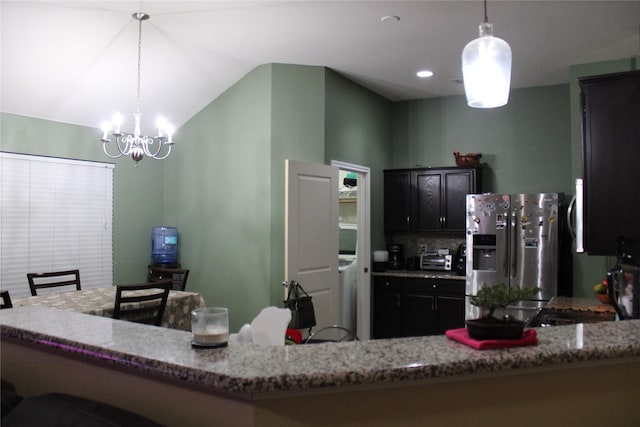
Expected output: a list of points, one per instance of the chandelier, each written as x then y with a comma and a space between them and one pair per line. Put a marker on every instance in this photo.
134, 144
486, 68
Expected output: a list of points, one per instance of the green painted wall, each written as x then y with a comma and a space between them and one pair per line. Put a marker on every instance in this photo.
217, 192
225, 192
137, 195
358, 131
525, 145
533, 144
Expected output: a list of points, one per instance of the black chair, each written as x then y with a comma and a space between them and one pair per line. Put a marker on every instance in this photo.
6, 300
177, 276
142, 303
53, 279
65, 410
333, 333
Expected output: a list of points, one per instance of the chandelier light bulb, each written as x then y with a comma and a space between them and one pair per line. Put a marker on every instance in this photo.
161, 123
106, 127
117, 122
170, 131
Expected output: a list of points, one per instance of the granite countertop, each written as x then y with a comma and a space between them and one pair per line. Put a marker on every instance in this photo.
561, 310
420, 274
252, 371
580, 304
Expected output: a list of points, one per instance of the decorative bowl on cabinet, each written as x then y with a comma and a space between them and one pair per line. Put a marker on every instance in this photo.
468, 159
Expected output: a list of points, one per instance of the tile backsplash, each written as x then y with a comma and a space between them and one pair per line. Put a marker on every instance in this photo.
412, 242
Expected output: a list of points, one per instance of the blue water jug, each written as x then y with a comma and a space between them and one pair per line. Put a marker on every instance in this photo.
164, 245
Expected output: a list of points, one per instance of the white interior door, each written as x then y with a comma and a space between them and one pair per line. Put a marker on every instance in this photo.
311, 235
363, 251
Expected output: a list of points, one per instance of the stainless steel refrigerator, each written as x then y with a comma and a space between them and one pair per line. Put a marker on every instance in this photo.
513, 239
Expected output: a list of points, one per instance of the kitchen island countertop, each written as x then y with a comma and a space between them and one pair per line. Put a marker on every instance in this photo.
250, 370
141, 367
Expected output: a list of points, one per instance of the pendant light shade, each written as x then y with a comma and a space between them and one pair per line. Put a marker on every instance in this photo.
486, 69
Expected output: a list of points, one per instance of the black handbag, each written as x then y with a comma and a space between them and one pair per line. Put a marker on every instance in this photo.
299, 302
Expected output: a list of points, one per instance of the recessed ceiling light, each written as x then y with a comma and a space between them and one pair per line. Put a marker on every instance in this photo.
390, 19
424, 74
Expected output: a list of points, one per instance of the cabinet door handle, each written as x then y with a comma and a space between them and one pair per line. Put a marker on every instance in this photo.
434, 303
398, 300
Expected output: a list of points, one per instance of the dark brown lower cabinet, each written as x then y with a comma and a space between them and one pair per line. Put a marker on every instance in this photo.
387, 299
450, 312
406, 307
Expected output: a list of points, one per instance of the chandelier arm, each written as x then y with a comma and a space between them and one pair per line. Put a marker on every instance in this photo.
166, 155
156, 155
104, 148
146, 142
128, 142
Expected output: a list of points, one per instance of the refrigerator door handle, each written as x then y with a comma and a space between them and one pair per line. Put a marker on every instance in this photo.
579, 215
505, 264
570, 219
514, 245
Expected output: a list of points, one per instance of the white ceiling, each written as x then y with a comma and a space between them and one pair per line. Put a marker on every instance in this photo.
75, 61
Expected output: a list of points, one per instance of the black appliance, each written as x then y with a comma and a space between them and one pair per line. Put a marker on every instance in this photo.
413, 263
461, 260
624, 280
396, 257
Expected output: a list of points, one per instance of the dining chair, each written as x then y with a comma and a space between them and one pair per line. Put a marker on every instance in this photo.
177, 276
332, 333
142, 303
6, 300
53, 279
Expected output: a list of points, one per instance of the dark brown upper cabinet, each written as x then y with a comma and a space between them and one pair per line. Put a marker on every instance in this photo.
611, 159
428, 199
397, 200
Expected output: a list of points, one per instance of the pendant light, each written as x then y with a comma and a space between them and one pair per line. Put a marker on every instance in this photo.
486, 68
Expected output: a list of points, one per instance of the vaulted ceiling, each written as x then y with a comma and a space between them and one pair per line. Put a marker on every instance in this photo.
76, 61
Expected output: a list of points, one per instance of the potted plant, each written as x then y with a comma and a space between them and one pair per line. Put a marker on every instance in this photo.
490, 298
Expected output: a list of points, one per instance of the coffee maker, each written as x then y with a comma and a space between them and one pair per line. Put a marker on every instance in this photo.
461, 260
624, 280
396, 257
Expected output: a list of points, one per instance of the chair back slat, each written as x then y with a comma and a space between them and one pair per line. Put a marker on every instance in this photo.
178, 276
53, 279
6, 300
142, 303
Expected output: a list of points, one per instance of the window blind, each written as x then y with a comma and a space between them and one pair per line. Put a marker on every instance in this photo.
55, 214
